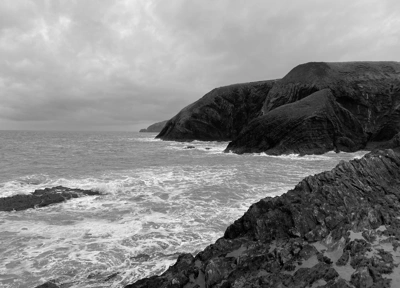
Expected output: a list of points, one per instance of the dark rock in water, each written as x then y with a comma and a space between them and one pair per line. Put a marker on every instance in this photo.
219, 115
42, 197
156, 127
49, 284
339, 228
189, 147
313, 125
368, 91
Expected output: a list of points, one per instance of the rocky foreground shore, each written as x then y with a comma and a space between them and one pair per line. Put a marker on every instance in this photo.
336, 229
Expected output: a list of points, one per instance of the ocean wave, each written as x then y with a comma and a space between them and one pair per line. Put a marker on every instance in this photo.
146, 139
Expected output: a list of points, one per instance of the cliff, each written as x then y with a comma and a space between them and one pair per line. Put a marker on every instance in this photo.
368, 91
156, 127
339, 228
312, 125
219, 115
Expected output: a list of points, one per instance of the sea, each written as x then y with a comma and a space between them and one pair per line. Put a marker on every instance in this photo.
158, 199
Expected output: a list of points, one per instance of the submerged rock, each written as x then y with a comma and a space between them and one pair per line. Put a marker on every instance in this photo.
42, 197
156, 127
219, 115
339, 228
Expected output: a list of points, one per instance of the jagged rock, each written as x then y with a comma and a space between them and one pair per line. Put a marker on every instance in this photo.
348, 216
312, 125
368, 91
219, 115
176, 276
42, 197
156, 127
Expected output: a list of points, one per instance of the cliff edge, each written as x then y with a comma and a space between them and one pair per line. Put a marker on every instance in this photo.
219, 115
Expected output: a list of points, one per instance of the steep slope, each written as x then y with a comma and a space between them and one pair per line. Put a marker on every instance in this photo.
156, 127
219, 115
368, 91
339, 228
312, 125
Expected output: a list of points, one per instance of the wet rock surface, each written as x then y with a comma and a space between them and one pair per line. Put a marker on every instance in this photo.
339, 228
156, 127
369, 92
42, 197
219, 115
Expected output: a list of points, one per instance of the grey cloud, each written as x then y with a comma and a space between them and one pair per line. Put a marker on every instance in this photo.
109, 64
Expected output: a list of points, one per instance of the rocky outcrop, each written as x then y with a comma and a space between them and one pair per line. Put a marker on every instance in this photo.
312, 125
366, 92
42, 197
156, 127
369, 91
219, 115
339, 228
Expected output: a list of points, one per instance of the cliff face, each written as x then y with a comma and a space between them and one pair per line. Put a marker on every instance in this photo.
339, 228
367, 94
219, 115
368, 91
156, 127
312, 125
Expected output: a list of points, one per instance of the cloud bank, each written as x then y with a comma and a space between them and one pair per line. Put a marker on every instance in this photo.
123, 65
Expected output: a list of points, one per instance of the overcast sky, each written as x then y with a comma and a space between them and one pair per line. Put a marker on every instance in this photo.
123, 65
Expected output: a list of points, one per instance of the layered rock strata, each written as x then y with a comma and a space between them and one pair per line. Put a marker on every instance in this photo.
219, 115
42, 197
339, 228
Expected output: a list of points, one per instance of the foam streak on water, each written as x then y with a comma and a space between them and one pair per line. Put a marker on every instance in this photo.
159, 200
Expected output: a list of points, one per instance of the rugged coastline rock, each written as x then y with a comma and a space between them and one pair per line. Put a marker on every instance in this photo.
339, 228
219, 115
42, 197
156, 127
312, 125
369, 91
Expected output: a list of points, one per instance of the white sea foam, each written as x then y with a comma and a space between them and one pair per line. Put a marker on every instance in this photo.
146, 139
146, 216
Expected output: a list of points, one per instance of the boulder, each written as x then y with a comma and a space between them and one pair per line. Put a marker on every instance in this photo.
219, 115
